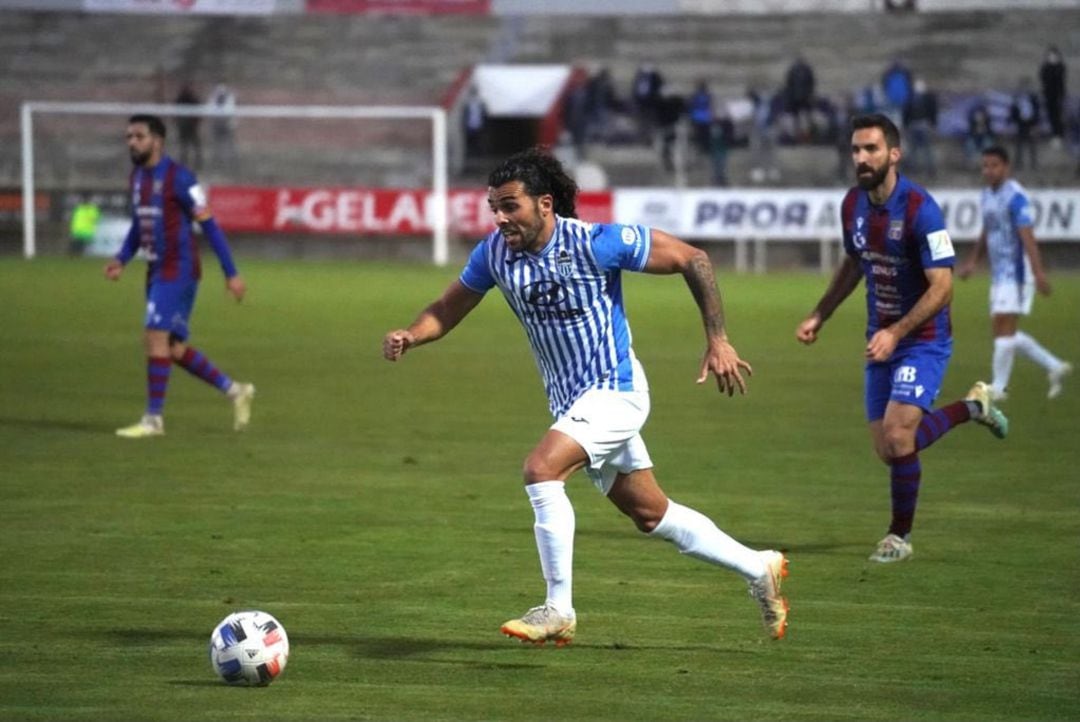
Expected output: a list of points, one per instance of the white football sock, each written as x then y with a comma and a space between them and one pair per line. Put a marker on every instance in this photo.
1004, 353
1036, 352
694, 533
554, 529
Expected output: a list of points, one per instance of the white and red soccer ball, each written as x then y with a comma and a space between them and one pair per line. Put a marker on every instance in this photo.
249, 648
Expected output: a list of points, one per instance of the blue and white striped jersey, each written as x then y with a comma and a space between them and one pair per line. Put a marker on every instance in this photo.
569, 299
1004, 212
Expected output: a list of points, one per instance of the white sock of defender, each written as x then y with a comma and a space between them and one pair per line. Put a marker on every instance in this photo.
1036, 352
554, 529
1004, 353
695, 534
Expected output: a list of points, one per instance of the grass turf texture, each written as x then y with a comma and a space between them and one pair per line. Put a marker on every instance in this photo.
377, 511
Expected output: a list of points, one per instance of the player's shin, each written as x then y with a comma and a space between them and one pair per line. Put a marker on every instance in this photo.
696, 535
554, 529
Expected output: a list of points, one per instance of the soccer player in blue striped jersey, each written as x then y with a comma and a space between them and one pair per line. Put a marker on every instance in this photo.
166, 202
895, 237
1016, 273
561, 278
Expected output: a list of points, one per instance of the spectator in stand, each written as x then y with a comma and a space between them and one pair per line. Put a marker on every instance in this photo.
188, 127
600, 101
763, 136
223, 127
1052, 78
721, 138
980, 134
647, 93
576, 119
898, 86
1025, 118
920, 124
701, 117
670, 110
799, 98
474, 120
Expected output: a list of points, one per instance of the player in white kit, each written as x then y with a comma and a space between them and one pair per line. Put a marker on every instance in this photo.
561, 278
1016, 273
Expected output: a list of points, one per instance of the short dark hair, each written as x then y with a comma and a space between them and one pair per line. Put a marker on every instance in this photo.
542, 174
153, 122
877, 120
997, 150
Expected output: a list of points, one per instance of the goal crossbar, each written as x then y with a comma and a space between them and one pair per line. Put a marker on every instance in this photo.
435, 114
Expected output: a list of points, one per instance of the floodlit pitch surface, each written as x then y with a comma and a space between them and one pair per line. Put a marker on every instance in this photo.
377, 511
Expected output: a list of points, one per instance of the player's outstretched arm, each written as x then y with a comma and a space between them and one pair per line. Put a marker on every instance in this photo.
670, 255
844, 281
434, 322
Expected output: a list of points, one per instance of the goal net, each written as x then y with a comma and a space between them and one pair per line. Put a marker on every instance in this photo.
312, 180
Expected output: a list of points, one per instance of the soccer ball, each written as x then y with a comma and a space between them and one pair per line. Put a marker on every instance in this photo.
249, 648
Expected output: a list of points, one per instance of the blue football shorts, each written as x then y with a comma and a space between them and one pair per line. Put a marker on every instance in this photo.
912, 376
169, 305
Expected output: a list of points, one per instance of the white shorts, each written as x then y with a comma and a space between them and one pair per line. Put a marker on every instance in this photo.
607, 424
1010, 297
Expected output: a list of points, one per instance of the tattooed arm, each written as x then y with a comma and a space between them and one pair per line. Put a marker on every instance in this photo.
670, 255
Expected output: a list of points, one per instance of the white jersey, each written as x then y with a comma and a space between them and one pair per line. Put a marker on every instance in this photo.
568, 297
1004, 212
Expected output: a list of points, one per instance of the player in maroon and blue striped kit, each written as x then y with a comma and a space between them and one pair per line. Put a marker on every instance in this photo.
166, 202
895, 237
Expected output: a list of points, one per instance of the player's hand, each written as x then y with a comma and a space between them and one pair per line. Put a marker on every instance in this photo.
881, 345
807, 331
236, 286
1042, 285
965, 270
722, 360
113, 270
396, 343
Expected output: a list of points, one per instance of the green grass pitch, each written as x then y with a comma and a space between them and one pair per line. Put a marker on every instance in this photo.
377, 511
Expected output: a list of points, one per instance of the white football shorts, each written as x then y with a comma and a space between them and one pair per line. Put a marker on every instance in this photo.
1010, 297
607, 424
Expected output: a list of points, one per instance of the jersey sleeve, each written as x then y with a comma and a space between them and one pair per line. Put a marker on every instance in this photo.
1021, 212
935, 246
617, 246
477, 273
191, 195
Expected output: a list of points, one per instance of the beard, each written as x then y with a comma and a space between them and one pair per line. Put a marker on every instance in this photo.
139, 158
872, 181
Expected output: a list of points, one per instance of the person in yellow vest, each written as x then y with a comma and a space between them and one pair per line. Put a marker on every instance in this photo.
84, 221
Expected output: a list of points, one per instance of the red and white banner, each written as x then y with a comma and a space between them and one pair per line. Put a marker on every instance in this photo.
182, 7
364, 211
400, 7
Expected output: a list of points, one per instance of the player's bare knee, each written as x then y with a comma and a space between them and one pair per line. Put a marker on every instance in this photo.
536, 469
646, 521
898, 442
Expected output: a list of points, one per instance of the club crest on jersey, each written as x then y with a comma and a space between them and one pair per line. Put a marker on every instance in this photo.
564, 264
896, 230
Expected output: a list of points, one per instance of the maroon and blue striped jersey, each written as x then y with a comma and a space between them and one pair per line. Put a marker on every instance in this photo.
894, 244
166, 201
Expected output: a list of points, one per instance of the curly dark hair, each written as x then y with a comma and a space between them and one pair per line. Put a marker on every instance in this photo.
541, 174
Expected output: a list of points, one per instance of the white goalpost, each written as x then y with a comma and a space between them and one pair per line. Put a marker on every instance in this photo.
439, 215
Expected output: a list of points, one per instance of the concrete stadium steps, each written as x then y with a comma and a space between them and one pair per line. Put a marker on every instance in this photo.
396, 60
